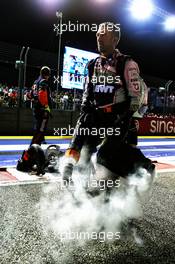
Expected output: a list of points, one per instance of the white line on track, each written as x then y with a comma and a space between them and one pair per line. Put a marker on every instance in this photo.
65, 146
158, 150
165, 159
156, 143
22, 147
23, 178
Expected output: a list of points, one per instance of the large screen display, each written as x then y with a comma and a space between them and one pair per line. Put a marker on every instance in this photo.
74, 64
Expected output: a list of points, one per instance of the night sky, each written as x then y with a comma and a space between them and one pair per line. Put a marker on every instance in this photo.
30, 23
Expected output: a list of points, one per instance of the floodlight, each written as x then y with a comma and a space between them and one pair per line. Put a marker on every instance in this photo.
170, 23
141, 10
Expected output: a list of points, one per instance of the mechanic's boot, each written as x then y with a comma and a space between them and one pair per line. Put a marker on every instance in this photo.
68, 169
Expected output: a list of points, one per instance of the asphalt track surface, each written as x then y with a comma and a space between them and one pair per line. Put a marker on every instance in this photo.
24, 240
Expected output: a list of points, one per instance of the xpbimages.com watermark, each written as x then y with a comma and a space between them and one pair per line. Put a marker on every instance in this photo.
84, 27
102, 132
103, 80
101, 185
101, 236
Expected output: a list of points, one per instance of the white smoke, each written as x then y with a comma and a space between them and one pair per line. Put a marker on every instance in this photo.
74, 214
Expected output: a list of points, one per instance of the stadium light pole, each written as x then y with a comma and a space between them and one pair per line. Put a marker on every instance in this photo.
167, 85
19, 65
25, 66
59, 15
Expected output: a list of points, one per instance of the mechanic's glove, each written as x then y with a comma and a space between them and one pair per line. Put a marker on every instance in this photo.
47, 108
133, 108
142, 110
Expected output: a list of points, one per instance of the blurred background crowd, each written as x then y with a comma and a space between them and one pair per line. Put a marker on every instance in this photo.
67, 99
62, 100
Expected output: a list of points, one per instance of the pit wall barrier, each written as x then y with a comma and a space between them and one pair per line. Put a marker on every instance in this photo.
14, 122
150, 126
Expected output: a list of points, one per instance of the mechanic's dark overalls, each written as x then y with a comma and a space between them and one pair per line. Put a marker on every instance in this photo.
41, 96
99, 110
